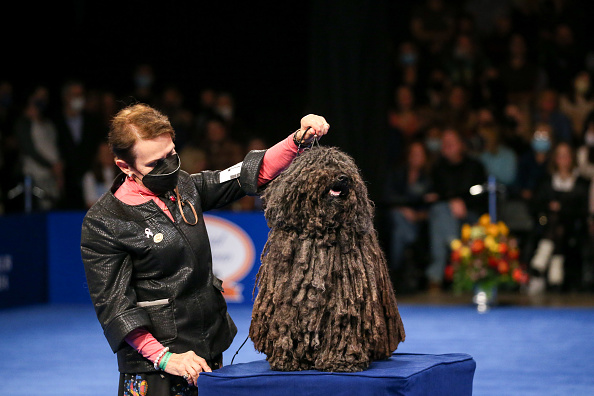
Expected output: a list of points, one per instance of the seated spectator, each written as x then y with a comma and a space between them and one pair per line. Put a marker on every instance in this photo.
405, 193
499, 161
98, 180
561, 207
38, 144
433, 25
404, 119
452, 176
221, 150
532, 166
547, 111
578, 102
518, 73
459, 115
516, 132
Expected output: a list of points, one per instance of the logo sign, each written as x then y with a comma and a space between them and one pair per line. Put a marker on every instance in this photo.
233, 254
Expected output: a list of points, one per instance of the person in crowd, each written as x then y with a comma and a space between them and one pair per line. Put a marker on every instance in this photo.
516, 132
499, 161
466, 64
404, 118
432, 25
452, 176
562, 58
547, 111
578, 102
561, 207
519, 74
147, 257
221, 149
38, 145
461, 117
100, 177
532, 166
406, 192
143, 80
79, 135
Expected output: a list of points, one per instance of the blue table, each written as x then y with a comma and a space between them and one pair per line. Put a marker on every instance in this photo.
402, 374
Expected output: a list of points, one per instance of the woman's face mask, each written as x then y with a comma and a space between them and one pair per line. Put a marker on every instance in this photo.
164, 175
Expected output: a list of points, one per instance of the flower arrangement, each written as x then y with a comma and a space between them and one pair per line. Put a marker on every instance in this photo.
485, 255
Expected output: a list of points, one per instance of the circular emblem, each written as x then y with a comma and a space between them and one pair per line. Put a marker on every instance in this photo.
158, 237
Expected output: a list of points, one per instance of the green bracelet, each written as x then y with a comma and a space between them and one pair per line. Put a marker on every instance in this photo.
164, 360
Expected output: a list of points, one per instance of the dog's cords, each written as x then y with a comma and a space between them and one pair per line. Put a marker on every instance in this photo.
244, 341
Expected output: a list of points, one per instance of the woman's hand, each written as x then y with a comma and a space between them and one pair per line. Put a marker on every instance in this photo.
317, 127
187, 364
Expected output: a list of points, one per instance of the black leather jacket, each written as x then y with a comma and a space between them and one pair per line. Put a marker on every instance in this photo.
164, 283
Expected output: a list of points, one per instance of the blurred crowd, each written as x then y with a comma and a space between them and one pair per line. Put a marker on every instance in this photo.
481, 88
493, 88
54, 152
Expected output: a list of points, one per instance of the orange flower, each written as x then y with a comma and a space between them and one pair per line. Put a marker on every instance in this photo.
477, 246
502, 248
503, 267
465, 234
485, 220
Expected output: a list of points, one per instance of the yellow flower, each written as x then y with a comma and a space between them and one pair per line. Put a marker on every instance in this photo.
465, 252
490, 243
477, 232
485, 220
503, 228
465, 232
456, 244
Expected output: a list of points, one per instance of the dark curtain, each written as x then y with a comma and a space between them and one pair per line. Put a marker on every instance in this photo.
349, 80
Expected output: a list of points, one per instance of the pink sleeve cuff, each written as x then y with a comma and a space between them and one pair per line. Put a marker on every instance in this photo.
144, 342
277, 159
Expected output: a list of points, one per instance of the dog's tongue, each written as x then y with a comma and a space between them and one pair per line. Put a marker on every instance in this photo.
334, 193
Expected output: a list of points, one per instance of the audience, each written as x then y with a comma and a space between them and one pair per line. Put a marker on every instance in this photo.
480, 88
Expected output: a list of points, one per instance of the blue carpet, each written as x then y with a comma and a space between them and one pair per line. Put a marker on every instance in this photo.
60, 350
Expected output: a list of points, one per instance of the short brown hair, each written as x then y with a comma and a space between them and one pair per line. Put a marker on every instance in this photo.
138, 121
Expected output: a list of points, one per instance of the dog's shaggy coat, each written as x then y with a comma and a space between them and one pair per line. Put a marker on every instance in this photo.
325, 300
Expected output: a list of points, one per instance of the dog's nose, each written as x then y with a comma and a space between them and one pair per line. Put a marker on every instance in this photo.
343, 178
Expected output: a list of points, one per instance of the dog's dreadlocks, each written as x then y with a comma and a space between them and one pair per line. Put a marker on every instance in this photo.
325, 300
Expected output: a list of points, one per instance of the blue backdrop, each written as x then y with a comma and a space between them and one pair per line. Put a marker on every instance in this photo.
40, 256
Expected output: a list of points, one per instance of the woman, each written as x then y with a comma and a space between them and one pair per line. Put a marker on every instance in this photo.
37, 138
147, 255
406, 192
561, 203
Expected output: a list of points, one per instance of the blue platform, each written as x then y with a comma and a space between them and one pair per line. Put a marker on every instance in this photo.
402, 374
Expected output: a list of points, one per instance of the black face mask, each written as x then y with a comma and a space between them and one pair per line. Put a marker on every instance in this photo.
164, 175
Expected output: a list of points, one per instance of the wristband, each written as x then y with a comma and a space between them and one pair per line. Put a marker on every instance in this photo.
163, 351
163, 362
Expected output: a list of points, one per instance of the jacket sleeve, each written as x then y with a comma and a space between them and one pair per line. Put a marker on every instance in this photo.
109, 270
216, 191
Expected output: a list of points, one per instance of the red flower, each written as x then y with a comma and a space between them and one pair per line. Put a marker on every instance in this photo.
503, 267
514, 254
455, 256
520, 276
502, 248
492, 261
449, 272
477, 246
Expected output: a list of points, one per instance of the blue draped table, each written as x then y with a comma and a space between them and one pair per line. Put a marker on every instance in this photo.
402, 374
